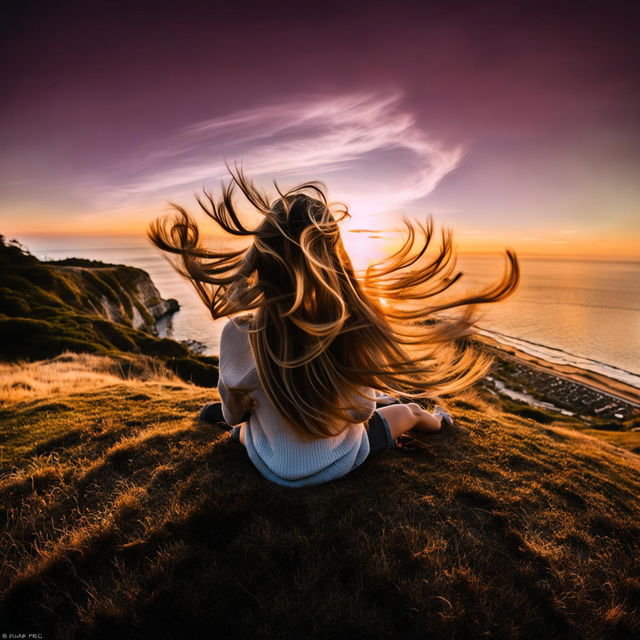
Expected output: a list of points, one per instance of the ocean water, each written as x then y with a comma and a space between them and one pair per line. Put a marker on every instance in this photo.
577, 312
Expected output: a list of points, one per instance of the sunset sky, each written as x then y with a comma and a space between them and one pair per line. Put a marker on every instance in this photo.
515, 124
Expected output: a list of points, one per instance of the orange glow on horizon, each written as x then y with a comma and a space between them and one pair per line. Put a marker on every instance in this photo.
368, 244
365, 250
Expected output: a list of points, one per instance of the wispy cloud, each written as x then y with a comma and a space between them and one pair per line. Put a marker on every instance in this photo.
305, 138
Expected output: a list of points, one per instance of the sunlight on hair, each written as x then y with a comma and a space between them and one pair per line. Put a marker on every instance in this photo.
335, 313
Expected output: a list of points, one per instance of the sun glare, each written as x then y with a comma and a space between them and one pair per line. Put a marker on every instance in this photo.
365, 246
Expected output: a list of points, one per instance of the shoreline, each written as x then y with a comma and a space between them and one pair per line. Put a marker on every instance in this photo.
601, 383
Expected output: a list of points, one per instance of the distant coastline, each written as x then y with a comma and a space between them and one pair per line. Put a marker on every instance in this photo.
552, 293
563, 388
591, 372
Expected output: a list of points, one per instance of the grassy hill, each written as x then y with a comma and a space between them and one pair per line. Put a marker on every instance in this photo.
125, 517
86, 306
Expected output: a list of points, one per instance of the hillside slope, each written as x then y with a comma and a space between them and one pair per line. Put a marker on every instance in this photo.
125, 517
86, 307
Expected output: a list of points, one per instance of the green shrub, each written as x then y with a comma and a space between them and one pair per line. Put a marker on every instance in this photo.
114, 334
191, 370
12, 253
68, 293
50, 346
35, 339
12, 305
16, 329
79, 262
95, 282
41, 276
163, 347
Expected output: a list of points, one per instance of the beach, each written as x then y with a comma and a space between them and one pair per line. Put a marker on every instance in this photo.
580, 391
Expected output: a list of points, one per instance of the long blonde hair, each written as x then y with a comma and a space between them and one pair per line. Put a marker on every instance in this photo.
320, 334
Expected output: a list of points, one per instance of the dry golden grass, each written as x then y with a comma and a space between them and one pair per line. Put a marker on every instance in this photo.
75, 372
125, 517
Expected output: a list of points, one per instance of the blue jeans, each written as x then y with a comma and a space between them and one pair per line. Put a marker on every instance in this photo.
379, 434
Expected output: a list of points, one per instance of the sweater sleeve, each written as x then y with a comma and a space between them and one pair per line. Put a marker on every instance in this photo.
236, 380
233, 407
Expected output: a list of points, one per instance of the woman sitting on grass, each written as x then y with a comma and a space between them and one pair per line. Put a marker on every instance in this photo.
300, 375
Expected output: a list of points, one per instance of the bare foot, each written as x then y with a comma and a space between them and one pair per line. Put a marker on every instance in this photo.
425, 421
446, 417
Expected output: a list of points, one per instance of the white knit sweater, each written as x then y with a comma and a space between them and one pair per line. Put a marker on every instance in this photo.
276, 450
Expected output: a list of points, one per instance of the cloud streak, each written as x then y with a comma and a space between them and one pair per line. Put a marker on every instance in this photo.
305, 138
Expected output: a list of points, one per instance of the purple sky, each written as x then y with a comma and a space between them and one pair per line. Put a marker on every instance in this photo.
514, 123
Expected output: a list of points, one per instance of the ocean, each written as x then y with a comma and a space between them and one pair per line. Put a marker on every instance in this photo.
577, 312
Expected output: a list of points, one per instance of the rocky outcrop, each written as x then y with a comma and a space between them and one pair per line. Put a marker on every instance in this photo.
122, 294
85, 306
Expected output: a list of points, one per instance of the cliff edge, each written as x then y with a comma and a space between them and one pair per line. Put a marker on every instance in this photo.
85, 306
119, 293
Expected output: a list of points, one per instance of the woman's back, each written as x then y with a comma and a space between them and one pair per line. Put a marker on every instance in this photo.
279, 452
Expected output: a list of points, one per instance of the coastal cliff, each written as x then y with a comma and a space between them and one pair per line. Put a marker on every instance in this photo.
119, 293
85, 306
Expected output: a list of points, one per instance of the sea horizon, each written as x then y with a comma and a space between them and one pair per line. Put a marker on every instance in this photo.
132, 240
574, 311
